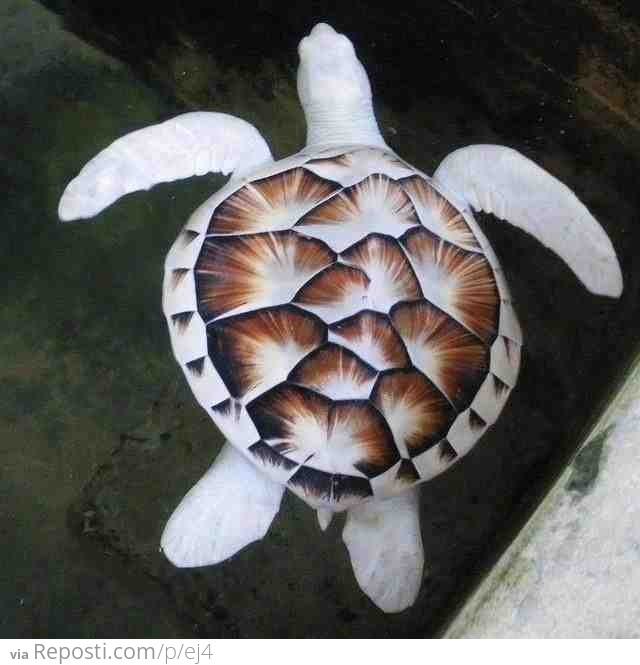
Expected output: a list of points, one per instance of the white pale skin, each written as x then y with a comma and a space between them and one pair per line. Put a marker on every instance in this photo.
234, 503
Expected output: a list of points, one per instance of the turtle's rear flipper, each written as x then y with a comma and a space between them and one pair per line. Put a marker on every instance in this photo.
503, 182
232, 505
385, 546
184, 146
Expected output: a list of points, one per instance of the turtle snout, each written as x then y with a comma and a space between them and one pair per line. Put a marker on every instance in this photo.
323, 42
322, 29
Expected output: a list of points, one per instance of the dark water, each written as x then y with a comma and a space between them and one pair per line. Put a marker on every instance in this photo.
100, 438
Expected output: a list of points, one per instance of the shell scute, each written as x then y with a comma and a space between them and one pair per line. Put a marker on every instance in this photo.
255, 351
372, 337
376, 204
271, 204
235, 274
438, 215
458, 282
418, 414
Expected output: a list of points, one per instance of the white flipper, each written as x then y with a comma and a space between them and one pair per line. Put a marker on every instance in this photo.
385, 546
232, 505
503, 182
184, 146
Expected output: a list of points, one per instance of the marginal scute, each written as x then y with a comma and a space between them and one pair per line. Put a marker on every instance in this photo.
448, 354
196, 367
490, 399
446, 452
179, 293
509, 325
374, 205
273, 463
234, 422
267, 455
177, 275
235, 274
255, 351
435, 460
458, 282
271, 204
181, 320
322, 489
407, 472
465, 431
505, 360
188, 236
352, 167
417, 412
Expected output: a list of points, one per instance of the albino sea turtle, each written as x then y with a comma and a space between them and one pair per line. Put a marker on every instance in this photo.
338, 313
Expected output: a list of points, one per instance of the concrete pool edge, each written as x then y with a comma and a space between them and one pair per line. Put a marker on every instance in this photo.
572, 570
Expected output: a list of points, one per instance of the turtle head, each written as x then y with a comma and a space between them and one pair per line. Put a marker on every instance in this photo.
334, 90
330, 72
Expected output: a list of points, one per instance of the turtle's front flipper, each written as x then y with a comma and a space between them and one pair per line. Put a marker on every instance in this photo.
503, 182
385, 546
188, 145
232, 505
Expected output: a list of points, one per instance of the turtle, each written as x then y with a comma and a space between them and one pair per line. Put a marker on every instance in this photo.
339, 314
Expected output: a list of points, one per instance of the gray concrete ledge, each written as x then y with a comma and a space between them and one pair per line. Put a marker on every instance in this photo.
574, 570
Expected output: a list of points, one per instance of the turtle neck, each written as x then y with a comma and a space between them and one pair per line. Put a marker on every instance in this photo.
342, 125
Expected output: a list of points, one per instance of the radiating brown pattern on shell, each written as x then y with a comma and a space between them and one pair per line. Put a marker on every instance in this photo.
438, 215
417, 412
338, 437
357, 425
371, 336
255, 270
452, 357
375, 205
335, 293
335, 372
384, 263
257, 350
270, 204
458, 282
292, 420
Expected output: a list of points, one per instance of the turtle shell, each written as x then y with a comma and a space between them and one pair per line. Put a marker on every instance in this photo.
346, 326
